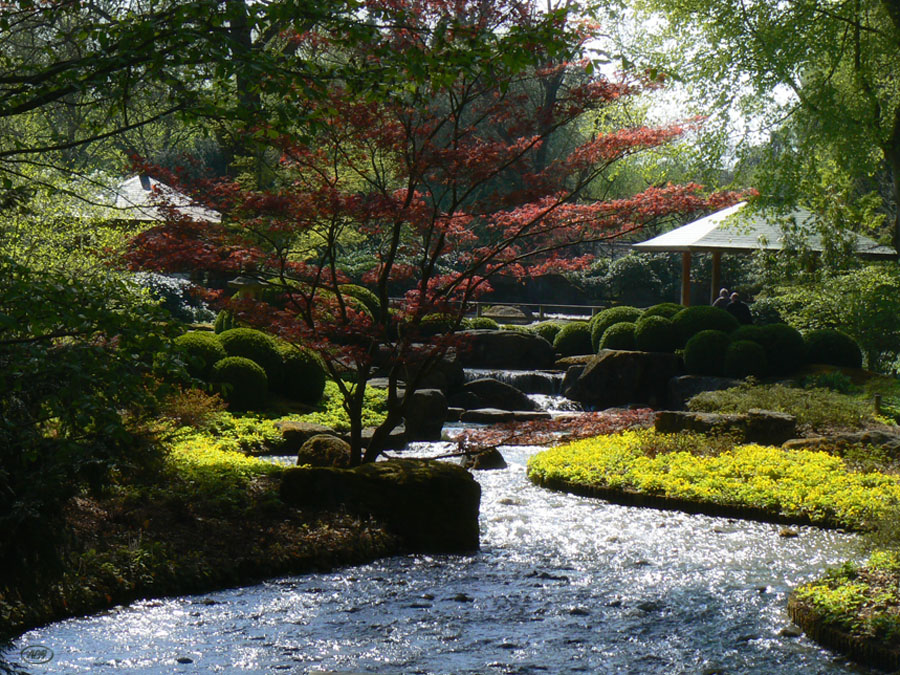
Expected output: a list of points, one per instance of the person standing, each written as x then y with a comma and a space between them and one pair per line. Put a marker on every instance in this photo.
739, 309
722, 301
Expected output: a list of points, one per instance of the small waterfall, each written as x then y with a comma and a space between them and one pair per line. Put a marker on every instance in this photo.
546, 382
555, 403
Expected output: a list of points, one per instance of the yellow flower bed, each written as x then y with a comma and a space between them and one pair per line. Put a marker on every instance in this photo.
206, 460
791, 483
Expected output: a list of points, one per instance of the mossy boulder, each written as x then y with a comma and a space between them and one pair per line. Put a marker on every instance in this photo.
480, 323
242, 382
512, 350
614, 378
432, 506
324, 450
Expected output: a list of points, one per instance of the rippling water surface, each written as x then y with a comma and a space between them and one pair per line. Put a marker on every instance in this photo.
563, 584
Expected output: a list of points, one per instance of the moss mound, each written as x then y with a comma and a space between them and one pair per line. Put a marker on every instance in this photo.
242, 382
618, 336
744, 358
303, 375
201, 351
664, 309
254, 345
785, 348
830, 346
691, 320
609, 317
364, 295
704, 353
547, 330
481, 323
573, 339
655, 333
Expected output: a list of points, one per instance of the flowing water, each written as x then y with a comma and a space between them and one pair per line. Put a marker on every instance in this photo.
562, 584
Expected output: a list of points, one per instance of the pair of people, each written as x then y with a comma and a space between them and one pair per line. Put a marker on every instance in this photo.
734, 305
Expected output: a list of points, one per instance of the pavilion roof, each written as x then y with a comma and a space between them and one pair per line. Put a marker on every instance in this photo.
738, 230
135, 197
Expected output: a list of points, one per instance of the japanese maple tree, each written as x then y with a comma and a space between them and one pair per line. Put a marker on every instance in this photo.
447, 173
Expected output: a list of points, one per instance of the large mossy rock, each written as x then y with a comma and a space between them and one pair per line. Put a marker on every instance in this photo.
295, 434
324, 450
755, 426
509, 349
487, 392
615, 378
433, 506
425, 415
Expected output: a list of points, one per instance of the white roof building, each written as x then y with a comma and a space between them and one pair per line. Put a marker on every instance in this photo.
138, 197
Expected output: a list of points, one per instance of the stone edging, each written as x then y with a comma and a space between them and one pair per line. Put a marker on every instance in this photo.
634, 498
862, 650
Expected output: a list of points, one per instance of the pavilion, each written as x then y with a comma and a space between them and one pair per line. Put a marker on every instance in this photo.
733, 230
137, 200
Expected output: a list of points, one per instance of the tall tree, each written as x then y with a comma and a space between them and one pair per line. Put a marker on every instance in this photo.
440, 170
829, 65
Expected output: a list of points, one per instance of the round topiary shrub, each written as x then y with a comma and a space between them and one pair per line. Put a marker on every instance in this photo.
364, 295
242, 382
655, 333
704, 353
254, 345
547, 330
609, 317
747, 332
691, 320
744, 358
664, 309
224, 321
480, 323
573, 339
618, 336
832, 347
302, 376
784, 345
201, 351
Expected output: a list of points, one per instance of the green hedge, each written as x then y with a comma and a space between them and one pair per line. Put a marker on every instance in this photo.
704, 353
303, 375
618, 336
254, 345
608, 317
573, 339
827, 345
201, 350
655, 333
242, 382
691, 320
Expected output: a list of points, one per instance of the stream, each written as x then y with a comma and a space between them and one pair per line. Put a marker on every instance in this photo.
562, 584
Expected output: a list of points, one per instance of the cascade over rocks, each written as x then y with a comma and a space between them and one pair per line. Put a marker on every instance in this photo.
617, 377
505, 349
425, 415
433, 506
496, 416
684, 387
755, 426
490, 393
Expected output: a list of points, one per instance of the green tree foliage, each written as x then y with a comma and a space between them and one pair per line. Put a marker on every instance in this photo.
828, 66
75, 361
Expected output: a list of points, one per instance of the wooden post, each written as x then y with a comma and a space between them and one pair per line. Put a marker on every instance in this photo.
686, 278
716, 276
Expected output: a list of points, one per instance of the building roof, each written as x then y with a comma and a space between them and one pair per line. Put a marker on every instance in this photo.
138, 197
736, 230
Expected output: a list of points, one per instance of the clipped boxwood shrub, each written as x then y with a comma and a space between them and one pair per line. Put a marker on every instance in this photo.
608, 317
618, 336
224, 321
254, 345
830, 346
480, 323
704, 353
303, 375
573, 339
664, 309
691, 320
744, 358
547, 329
785, 348
655, 333
201, 350
242, 382
747, 332
364, 295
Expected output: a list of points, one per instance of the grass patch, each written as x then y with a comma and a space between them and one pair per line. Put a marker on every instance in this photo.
801, 485
861, 600
816, 409
331, 411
